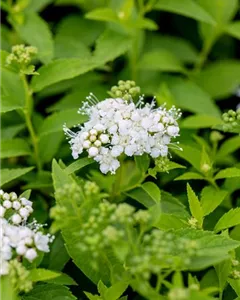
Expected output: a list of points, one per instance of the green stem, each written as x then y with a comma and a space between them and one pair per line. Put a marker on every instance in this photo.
27, 114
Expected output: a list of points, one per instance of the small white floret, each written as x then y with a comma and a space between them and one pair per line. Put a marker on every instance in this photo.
7, 204
31, 254
93, 151
16, 219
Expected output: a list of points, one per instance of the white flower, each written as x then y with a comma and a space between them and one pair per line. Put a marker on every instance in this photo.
4, 267
16, 219
2, 211
30, 254
7, 204
41, 241
116, 126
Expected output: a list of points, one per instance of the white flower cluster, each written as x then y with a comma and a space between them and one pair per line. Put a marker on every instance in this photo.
17, 238
116, 126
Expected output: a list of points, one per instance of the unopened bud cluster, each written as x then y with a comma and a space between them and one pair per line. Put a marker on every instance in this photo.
231, 120
160, 250
235, 273
125, 90
17, 237
116, 126
91, 188
107, 225
21, 55
19, 276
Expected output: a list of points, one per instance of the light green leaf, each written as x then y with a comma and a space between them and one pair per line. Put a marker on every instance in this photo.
116, 290
195, 205
172, 206
228, 173
102, 14
9, 132
55, 122
12, 91
223, 269
148, 194
79, 164
186, 8
60, 69
14, 147
161, 60
235, 284
35, 32
36, 275
200, 121
212, 248
234, 29
8, 175
229, 146
49, 291
180, 48
69, 26
7, 290
168, 221
152, 190
36, 5
190, 97
109, 46
190, 176
190, 154
211, 199
220, 79
62, 279
229, 219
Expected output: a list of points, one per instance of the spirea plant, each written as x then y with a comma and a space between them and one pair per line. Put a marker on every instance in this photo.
120, 143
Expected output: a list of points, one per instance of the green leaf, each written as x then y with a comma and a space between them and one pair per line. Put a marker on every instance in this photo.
186, 8
229, 219
60, 69
49, 145
7, 290
228, 173
195, 205
200, 121
36, 5
69, 26
12, 91
62, 279
220, 79
102, 14
235, 284
184, 91
190, 176
35, 32
223, 269
234, 29
211, 199
161, 60
172, 206
142, 162
55, 122
79, 164
9, 132
212, 248
229, 146
8, 175
179, 47
14, 147
190, 154
36, 275
148, 194
49, 291
116, 290
168, 221
109, 46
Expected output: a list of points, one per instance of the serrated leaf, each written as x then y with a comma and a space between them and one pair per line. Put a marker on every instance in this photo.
36, 275
142, 162
12, 91
8, 175
223, 269
62, 279
190, 176
152, 190
116, 290
49, 291
229, 219
220, 79
161, 60
172, 206
212, 248
55, 122
14, 147
33, 24
195, 205
168, 221
233, 29
79, 164
190, 154
228, 173
211, 199
186, 8
200, 121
